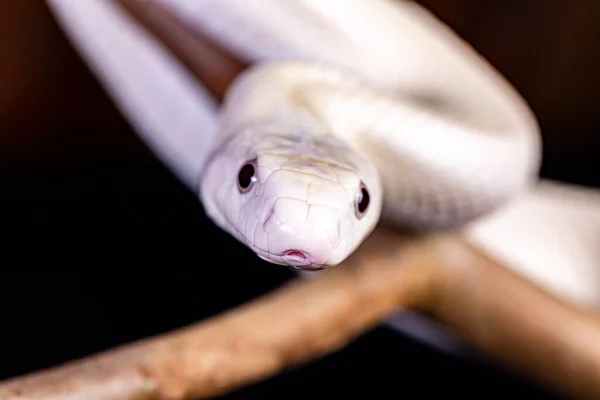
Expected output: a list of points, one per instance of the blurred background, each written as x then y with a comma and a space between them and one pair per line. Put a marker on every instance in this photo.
103, 246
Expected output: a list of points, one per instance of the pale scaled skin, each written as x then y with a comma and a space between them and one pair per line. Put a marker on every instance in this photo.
548, 233
302, 209
450, 138
426, 169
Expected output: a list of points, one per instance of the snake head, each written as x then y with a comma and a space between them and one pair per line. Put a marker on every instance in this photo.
299, 200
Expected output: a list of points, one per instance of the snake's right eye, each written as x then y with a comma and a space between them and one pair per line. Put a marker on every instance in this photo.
247, 176
362, 201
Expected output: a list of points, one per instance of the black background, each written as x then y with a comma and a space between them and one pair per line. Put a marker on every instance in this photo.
103, 255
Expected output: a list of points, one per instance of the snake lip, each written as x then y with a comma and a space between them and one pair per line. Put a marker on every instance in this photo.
300, 260
296, 254
296, 258
309, 268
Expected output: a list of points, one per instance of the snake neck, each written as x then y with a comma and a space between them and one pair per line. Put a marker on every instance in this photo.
439, 169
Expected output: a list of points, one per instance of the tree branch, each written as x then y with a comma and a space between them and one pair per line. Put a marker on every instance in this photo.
504, 315
298, 322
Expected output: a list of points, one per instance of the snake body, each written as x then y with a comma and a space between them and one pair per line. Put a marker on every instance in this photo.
346, 100
320, 140
332, 111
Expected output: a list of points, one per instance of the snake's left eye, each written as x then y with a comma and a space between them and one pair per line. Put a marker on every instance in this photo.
247, 176
362, 201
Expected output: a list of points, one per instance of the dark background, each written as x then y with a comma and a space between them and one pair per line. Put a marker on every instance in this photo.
103, 246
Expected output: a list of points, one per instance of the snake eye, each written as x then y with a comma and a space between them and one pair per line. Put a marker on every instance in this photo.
247, 176
362, 201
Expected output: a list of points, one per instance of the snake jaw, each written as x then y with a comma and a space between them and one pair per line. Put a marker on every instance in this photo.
302, 261
303, 268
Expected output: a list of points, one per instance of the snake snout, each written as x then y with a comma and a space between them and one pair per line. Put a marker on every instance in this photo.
301, 245
305, 249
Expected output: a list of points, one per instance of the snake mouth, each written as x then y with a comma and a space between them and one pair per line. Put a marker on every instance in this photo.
297, 254
296, 258
300, 260
309, 268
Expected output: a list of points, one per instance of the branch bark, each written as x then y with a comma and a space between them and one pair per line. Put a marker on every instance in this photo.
298, 322
496, 310
501, 313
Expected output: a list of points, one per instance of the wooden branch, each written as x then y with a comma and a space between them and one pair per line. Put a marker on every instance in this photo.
294, 324
518, 323
496, 310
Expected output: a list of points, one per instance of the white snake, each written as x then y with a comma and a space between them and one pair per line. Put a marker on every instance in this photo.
354, 110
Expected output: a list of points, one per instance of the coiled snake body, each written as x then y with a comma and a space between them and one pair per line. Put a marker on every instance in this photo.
353, 110
395, 112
